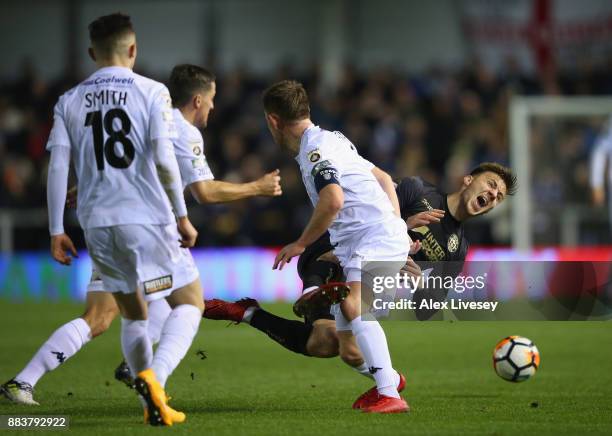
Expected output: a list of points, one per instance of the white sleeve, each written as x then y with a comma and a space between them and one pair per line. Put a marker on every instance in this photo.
162, 123
599, 155
189, 150
320, 168
59, 132
57, 186
169, 175
369, 165
194, 170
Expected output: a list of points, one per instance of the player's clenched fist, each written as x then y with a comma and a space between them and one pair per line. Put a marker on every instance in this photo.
60, 245
188, 233
269, 184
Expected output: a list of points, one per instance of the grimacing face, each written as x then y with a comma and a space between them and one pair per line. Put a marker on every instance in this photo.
483, 192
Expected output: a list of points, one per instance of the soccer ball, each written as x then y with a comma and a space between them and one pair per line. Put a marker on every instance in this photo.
516, 358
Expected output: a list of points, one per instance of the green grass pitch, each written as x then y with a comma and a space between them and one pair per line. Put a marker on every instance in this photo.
248, 385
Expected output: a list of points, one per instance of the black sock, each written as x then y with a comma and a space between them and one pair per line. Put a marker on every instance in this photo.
293, 335
320, 272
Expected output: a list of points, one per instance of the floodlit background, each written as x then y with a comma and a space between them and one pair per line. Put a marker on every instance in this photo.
421, 87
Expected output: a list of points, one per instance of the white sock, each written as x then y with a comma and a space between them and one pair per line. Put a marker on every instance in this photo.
365, 371
373, 345
177, 335
248, 314
136, 345
61, 345
159, 310
307, 290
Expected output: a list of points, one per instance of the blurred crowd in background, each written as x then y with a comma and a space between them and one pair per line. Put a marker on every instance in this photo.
438, 125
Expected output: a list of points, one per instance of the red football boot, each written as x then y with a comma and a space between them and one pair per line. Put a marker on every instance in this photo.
226, 311
384, 404
372, 394
324, 296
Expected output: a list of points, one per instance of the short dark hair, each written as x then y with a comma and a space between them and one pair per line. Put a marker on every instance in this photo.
288, 100
186, 80
104, 32
506, 174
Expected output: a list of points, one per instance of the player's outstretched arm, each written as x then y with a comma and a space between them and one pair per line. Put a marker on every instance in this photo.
216, 191
386, 182
331, 200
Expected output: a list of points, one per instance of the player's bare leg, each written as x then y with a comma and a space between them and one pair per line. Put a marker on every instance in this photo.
323, 340
100, 311
65, 342
190, 294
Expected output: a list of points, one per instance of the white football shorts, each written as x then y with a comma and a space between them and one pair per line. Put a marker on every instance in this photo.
384, 242
387, 242
143, 257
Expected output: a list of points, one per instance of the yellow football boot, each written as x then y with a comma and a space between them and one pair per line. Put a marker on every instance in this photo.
157, 411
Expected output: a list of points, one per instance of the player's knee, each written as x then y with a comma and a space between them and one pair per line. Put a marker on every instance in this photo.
351, 308
103, 324
190, 294
99, 320
199, 303
323, 342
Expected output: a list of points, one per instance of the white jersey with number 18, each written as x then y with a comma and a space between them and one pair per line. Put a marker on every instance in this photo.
109, 122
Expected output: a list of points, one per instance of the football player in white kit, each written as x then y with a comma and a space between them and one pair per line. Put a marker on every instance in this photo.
117, 128
192, 89
357, 202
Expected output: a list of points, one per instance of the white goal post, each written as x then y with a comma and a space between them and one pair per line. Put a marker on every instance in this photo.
521, 109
